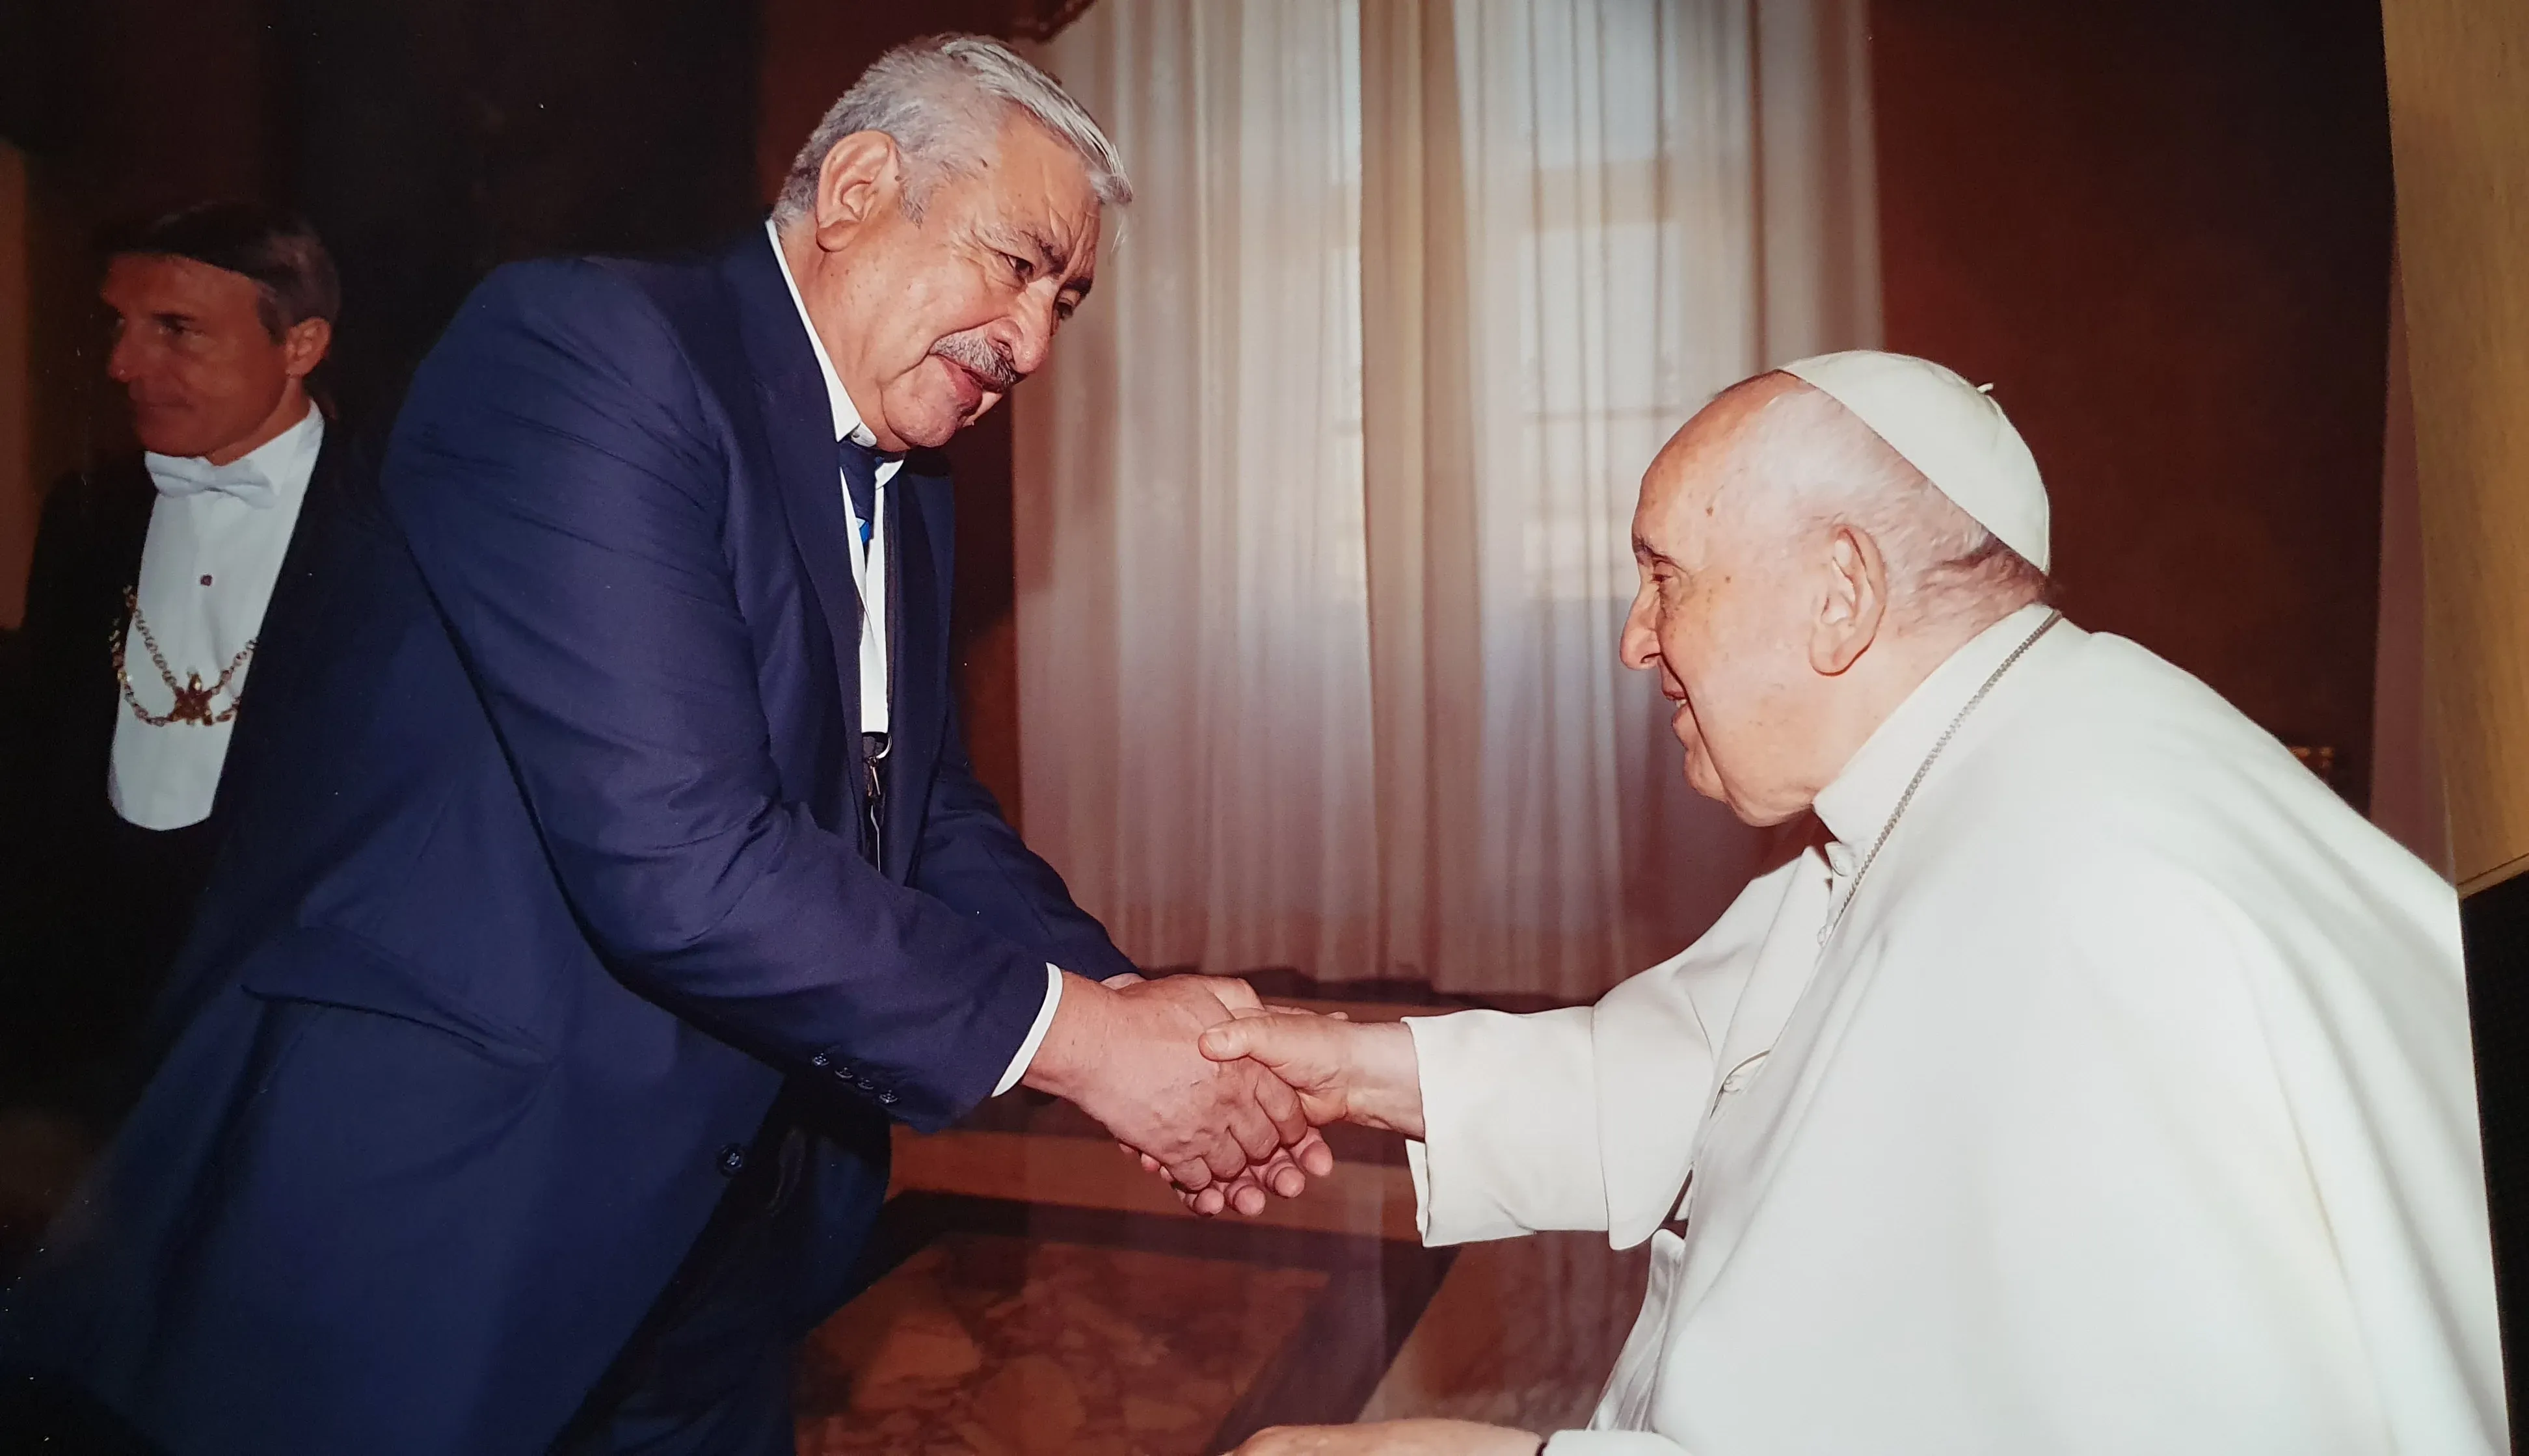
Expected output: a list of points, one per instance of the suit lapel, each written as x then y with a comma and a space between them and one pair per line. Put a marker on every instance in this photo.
299, 558
797, 422
294, 614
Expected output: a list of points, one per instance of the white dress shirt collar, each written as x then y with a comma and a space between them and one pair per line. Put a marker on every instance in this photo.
286, 459
847, 417
1855, 807
868, 551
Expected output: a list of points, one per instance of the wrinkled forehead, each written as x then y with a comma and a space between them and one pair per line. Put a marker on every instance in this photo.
1679, 504
1686, 494
1035, 186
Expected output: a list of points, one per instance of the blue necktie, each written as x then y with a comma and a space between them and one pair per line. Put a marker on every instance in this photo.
860, 478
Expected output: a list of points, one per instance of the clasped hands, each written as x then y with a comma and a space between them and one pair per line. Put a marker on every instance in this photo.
1224, 1095
1217, 1091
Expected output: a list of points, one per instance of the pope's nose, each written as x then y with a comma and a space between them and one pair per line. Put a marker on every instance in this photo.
1637, 646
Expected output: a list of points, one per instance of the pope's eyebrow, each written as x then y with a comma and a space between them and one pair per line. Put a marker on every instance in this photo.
1644, 547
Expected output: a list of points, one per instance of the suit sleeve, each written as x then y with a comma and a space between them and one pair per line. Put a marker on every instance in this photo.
558, 476
40, 674
33, 674
973, 860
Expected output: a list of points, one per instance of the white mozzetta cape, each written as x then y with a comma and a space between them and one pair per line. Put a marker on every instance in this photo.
2130, 1109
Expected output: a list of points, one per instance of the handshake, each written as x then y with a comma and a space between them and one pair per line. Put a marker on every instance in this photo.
1219, 1092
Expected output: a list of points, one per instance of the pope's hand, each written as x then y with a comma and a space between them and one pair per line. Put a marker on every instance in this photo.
1393, 1438
1286, 1173
1343, 1071
1125, 1055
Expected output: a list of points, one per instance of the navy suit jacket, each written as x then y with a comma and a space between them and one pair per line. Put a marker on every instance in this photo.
549, 879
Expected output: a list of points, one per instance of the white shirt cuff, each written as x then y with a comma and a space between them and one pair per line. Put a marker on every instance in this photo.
1036, 1033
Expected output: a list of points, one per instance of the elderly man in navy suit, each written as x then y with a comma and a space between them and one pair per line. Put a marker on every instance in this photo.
529, 1074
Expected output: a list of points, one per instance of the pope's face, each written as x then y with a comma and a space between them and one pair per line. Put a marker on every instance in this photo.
190, 350
1719, 617
931, 321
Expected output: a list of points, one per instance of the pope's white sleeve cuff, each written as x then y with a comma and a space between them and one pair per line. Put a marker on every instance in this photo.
1510, 1125
1036, 1033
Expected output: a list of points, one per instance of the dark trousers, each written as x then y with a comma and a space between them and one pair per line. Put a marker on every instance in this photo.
710, 1370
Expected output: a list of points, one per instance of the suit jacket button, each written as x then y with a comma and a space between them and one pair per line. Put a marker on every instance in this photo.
732, 1159
887, 1097
818, 1060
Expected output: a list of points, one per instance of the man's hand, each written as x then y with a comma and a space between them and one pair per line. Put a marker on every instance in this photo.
1286, 1173
1343, 1071
1125, 1055
1393, 1438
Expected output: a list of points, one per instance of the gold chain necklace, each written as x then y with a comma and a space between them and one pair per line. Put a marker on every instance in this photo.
193, 695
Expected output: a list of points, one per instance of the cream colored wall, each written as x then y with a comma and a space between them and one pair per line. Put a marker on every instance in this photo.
19, 501
2459, 101
2406, 796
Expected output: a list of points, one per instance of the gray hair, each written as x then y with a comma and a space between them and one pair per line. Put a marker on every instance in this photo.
1831, 469
944, 100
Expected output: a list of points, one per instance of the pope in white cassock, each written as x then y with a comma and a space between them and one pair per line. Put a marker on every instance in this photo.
2094, 1081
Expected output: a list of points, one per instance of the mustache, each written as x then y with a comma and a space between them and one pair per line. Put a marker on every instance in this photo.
980, 357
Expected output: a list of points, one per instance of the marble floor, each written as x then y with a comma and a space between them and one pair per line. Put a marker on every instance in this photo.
993, 1344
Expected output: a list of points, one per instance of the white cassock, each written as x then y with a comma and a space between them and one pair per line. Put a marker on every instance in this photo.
2129, 1108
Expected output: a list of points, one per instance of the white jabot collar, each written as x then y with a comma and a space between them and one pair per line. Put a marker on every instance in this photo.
1857, 805
848, 419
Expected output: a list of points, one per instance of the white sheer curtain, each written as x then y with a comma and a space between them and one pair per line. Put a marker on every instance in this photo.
1323, 506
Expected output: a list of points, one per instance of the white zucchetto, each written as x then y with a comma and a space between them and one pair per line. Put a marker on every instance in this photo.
1950, 430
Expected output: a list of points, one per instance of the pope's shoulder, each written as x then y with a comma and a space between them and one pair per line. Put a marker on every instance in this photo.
2115, 766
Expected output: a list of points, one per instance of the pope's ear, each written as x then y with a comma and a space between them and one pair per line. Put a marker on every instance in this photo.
1854, 604
862, 173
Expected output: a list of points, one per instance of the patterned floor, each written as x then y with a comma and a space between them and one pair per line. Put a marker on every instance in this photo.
1034, 1292
991, 1344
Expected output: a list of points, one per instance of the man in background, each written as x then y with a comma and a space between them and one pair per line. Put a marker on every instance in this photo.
2093, 1080
165, 590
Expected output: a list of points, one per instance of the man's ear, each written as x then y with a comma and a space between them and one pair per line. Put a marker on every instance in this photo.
303, 345
861, 173
1855, 604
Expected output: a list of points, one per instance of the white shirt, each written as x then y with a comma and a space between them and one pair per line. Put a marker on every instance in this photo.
207, 569
2129, 1108
868, 575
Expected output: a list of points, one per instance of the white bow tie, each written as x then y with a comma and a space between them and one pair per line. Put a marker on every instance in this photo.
189, 476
